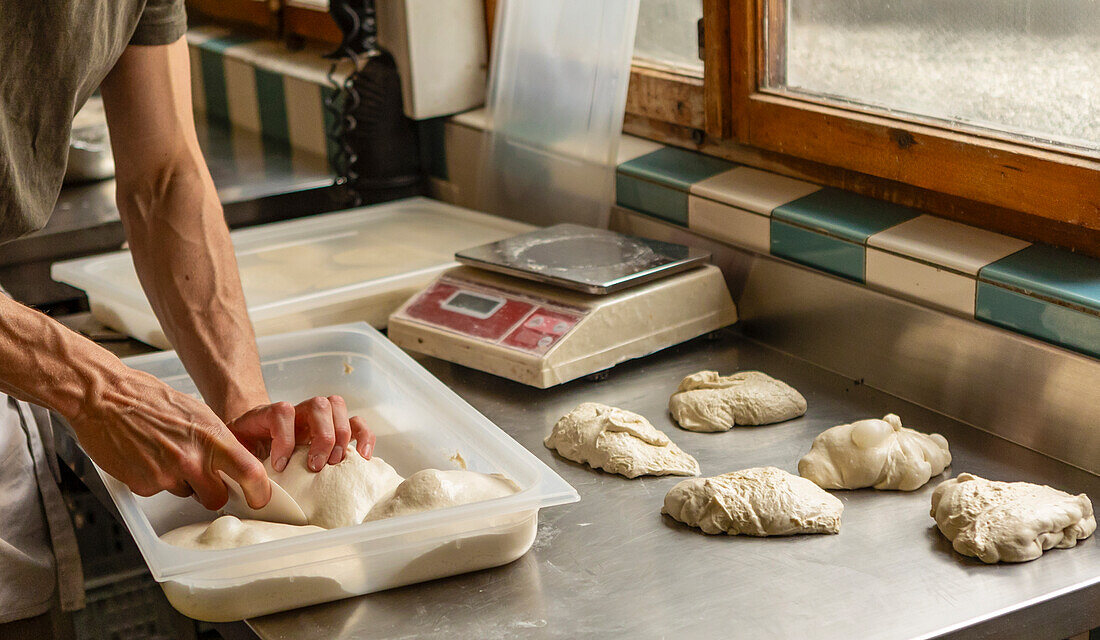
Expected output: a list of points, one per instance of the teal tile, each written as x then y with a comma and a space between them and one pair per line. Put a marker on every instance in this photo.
212, 68
272, 103
1052, 273
652, 198
433, 154
844, 214
838, 257
1037, 318
675, 167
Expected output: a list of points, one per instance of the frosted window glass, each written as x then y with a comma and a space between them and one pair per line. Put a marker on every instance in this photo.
668, 34
1029, 68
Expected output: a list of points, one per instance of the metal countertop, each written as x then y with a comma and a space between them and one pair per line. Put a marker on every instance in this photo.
613, 566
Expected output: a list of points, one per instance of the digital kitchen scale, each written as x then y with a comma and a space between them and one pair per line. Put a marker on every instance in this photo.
563, 302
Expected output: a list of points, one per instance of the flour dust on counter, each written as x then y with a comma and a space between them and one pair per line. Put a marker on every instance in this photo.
618, 441
875, 453
708, 401
763, 501
1009, 521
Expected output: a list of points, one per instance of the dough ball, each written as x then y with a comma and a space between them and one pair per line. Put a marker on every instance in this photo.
340, 495
430, 489
1009, 521
874, 453
228, 532
618, 441
706, 401
763, 501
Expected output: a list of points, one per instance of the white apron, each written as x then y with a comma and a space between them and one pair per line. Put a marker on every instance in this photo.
37, 544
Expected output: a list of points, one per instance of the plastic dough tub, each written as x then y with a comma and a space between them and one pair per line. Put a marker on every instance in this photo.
349, 266
420, 424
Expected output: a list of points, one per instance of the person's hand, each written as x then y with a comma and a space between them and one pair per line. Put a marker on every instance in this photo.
153, 438
320, 421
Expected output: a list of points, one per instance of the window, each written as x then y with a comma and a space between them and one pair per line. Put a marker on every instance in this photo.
1027, 70
935, 95
668, 35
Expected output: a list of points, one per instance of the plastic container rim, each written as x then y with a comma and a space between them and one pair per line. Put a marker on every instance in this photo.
549, 489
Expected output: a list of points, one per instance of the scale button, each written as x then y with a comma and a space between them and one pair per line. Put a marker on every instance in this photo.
536, 322
561, 327
545, 341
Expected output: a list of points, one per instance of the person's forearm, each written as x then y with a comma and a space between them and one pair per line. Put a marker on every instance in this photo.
43, 362
185, 260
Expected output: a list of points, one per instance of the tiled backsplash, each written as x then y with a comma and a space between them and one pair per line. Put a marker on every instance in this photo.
1040, 291
260, 86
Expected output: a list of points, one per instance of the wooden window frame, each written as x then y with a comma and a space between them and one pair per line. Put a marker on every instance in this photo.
1052, 184
702, 104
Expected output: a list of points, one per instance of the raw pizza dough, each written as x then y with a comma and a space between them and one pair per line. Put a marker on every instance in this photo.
706, 401
874, 453
430, 489
229, 532
1009, 521
763, 501
339, 495
618, 441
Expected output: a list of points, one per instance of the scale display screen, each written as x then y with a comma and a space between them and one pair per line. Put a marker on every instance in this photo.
473, 304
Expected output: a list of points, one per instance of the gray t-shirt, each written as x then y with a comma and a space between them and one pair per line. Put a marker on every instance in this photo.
53, 55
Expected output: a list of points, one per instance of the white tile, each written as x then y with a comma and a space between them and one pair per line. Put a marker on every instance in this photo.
729, 224
631, 147
752, 189
308, 63
918, 281
464, 147
950, 244
305, 118
199, 34
240, 89
475, 119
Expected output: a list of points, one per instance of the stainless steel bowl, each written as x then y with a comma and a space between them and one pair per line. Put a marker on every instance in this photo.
90, 156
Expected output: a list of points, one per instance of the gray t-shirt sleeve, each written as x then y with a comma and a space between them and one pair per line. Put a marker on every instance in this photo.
162, 22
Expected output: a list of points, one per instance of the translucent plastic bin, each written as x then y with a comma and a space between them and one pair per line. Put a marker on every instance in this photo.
350, 266
420, 424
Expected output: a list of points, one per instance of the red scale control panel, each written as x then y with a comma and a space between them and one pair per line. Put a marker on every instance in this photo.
498, 317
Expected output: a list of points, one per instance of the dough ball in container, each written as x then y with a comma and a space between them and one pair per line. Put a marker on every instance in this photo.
763, 501
618, 441
875, 453
1009, 521
229, 532
707, 401
339, 495
430, 489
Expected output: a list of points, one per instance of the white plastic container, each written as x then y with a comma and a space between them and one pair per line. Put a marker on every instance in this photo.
350, 266
420, 423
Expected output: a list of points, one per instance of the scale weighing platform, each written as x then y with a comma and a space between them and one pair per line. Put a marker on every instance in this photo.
563, 302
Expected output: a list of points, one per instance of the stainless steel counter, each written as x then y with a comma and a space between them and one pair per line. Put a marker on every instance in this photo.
612, 566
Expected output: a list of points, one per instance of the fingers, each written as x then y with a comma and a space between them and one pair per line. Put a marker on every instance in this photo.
282, 434
181, 489
209, 489
364, 437
342, 428
315, 415
229, 456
